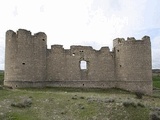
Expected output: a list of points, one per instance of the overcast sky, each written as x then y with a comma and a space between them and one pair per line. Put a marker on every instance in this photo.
83, 22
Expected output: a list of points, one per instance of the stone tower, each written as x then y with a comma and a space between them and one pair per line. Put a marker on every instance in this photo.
25, 57
133, 63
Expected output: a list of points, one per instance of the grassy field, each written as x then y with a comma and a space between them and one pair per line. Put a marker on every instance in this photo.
1, 78
76, 104
156, 81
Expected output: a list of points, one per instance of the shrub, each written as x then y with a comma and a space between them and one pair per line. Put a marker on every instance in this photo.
82, 97
155, 115
139, 94
109, 100
140, 104
19, 105
128, 103
25, 103
74, 98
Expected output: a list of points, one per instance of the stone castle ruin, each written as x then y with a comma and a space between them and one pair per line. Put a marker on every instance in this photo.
28, 63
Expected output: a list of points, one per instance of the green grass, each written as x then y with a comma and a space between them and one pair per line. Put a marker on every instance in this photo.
74, 104
67, 104
156, 81
1, 78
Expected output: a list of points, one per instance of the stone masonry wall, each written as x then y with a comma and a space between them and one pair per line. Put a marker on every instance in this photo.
65, 64
28, 63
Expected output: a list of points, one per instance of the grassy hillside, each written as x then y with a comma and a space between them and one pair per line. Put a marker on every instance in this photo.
74, 104
1, 77
156, 81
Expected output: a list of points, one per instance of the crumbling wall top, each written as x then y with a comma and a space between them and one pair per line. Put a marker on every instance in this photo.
10, 31
26, 32
105, 49
80, 47
23, 32
57, 46
42, 34
130, 40
146, 38
10, 34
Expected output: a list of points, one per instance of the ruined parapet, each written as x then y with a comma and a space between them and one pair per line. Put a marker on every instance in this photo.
57, 49
131, 39
104, 50
25, 57
118, 41
133, 64
147, 38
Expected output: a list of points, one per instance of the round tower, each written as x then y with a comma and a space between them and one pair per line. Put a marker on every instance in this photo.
10, 56
21, 55
133, 64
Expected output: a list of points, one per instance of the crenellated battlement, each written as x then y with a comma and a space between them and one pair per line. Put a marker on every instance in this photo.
28, 63
24, 35
23, 32
57, 47
78, 49
130, 40
10, 32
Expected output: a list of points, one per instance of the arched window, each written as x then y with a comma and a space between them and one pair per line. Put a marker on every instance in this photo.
83, 65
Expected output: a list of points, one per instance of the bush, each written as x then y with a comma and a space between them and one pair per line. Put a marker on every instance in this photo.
139, 94
128, 103
140, 104
25, 103
109, 100
155, 115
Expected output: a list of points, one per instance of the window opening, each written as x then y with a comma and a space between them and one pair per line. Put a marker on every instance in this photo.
83, 65
73, 54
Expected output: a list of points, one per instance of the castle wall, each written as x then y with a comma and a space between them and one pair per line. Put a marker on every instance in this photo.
65, 64
56, 63
28, 63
